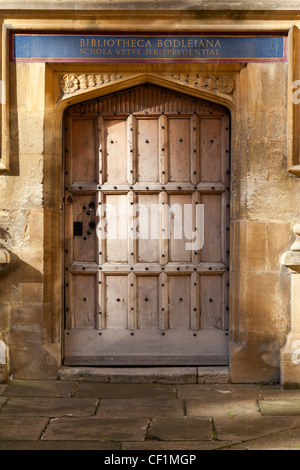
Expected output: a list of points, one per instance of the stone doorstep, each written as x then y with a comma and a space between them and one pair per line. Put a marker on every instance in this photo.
161, 375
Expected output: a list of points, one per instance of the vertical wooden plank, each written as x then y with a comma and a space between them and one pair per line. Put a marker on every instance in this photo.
101, 147
100, 227
163, 228
147, 299
163, 151
132, 225
196, 229
68, 226
100, 301
117, 302
195, 302
131, 150
132, 302
69, 301
179, 302
194, 149
163, 302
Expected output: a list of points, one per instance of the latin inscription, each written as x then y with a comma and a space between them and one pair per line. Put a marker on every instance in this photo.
58, 47
156, 48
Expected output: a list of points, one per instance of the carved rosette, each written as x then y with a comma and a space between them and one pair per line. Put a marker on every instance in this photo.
71, 83
223, 84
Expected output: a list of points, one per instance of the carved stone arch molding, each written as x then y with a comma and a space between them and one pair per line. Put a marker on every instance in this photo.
220, 89
216, 88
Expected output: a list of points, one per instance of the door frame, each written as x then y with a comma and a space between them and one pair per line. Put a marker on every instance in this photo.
54, 223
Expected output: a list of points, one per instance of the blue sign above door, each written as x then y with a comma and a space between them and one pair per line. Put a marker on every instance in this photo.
73, 47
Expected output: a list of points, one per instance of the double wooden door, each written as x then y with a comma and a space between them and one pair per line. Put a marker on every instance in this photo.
146, 208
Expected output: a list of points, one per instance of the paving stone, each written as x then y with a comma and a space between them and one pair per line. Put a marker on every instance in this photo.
31, 388
176, 445
96, 429
279, 394
124, 390
280, 407
51, 407
251, 427
58, 445
3, 400
147, 407
223, 408
2, 388
180, 429
21, 427
285, 440
219, 392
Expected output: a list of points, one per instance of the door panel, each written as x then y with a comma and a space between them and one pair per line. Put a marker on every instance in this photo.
84, 301
84, 233
116, 302
148, 228
210, 148
83, 148
139, 287
179, 149
179, 302
213, 226
115, 138
147, 149
116, 219
147, 301
180, 230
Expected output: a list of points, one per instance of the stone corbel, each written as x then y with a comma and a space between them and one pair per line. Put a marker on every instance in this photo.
4, 257
291, 259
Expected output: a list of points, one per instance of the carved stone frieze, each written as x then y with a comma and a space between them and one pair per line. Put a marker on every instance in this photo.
223, 83
70, 83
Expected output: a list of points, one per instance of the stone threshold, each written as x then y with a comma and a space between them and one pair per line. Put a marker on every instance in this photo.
142, 375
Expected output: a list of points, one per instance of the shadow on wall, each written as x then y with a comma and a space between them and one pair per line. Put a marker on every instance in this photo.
15, 273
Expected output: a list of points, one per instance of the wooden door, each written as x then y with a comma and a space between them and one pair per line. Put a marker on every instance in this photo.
142, 166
